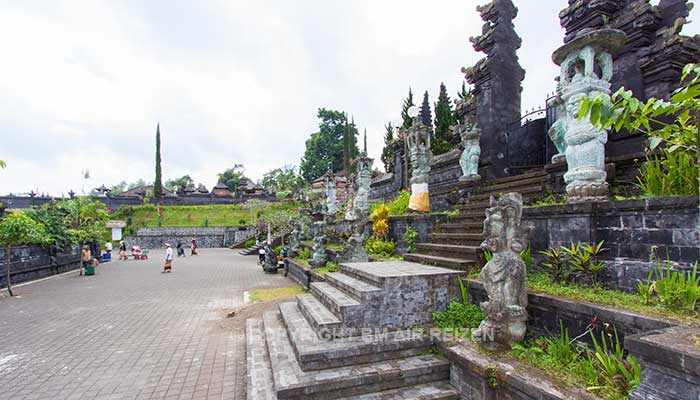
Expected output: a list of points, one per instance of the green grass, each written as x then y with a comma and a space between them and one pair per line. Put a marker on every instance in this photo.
302, 262
335, 246
187, 216
262, 295
543, 283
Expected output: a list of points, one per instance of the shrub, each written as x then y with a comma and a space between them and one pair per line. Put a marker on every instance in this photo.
249, 243
376, 246
554, 261
458, 316
242, 221
399, 206
304, 253
410, 237
583, 258
380, 220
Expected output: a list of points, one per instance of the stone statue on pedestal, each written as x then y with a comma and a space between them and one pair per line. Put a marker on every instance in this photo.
354, 250
469, 160
319, 257
419, 150
557, 132
331, 196
586, 70
270, 259
504, 277
294, 237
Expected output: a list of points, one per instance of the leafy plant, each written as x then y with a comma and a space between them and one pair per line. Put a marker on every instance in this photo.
399, 206
458, 317
380, 220
583, 257
249, 243
677, 289
304, 253
376, 246
410, 237
671, 172
464, 290
555, 264
645, 289
526, 255
18, 229
619, 372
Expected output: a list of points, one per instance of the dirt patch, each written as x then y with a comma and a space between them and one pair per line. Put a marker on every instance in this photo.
236, 322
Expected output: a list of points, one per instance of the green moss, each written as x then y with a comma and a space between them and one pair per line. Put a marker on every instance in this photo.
328, 268
261, 295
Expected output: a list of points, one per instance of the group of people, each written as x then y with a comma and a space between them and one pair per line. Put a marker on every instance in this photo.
168, 267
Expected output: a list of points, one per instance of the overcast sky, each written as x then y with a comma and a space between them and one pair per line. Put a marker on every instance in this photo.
83, 83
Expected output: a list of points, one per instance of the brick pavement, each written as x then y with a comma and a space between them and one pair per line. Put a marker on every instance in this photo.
130, 332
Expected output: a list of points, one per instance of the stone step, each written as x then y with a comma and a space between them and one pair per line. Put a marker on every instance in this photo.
313, 353
514, 178
340, 303
456, 238
474, 206
318, 315
429, 391
259, 382
448, 250
461, 264
526, 192
360, 290
512, 186
471, 216
461, 227
291, 382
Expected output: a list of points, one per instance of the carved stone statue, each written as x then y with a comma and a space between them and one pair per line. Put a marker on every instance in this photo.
364, 180
419, 150
469, 160
319, 257
580, 60
354, 249
557, 131
294, 237
504, 277
331, 196
350, 203
270, 259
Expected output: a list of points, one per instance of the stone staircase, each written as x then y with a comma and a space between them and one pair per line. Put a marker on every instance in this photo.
347, 338
455, 243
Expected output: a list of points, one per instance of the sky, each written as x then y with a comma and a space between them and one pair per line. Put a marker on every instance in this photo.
84, 83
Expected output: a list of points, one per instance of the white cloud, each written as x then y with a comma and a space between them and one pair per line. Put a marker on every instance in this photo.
83, 83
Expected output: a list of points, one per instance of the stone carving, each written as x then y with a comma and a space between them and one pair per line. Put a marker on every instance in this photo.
504, 277
270, 259
319, 257
350, 203
354, 249
580, 60
557, 131
331, 195
294, 237
419, 150
364, 180
469, 160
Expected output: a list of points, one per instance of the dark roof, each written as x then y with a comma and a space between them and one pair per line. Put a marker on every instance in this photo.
142, 190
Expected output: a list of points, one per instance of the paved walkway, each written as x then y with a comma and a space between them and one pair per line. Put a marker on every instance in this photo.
130, 332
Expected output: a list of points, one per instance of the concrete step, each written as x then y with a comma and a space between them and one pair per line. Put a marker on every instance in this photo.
291, 382
474, 206
260, 384
340, 303
471, 216
313, 353
448, 250
461, 227
511, 186
473, 239
429, 391
514, 178
323, 320
358, 289
461, 264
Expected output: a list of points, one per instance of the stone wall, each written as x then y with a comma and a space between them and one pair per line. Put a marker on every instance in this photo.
422, 223
207, 237
32, 262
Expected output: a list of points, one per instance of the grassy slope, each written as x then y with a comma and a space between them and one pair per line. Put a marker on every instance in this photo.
181, 216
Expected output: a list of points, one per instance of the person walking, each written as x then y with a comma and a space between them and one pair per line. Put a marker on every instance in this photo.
168, 258
85, 258
194, 247
108, 249
122, 250
180, 250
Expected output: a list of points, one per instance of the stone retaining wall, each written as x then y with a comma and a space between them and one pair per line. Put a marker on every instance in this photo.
32, 262
207, 237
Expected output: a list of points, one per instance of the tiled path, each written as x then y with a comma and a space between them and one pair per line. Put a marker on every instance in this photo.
130, 332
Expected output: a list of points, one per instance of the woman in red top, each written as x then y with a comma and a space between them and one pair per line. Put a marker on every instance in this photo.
194, 246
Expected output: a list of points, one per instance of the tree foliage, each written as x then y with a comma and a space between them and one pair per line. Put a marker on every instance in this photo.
178, 185
387, 154
232, 177
324, 149
158, 182
2, 164
444, 119
670, 126
407, 103
426, 115
84, 219
17, 229
283, 181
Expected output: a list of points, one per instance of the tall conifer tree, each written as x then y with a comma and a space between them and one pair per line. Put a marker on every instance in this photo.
387, 155
426, 115
444, 119
407, 103
157, 183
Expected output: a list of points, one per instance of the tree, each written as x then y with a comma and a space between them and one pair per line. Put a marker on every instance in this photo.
177, 185
672, 129
426, 115
232, 177
387, 154
464, 94
407, 103
84, 219
157, 183
2, 164
324, 149
18, 229
283, 181
444, 120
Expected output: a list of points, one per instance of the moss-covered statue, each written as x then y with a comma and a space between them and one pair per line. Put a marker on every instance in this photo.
504, 277
319, 257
